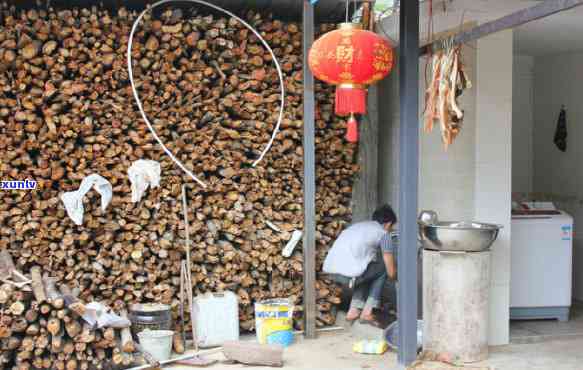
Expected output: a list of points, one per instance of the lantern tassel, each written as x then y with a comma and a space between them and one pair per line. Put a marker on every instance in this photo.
352, 130
350, 99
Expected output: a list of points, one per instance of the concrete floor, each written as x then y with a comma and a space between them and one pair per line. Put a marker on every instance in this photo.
536, 331
557, 354
332, 350
535, 345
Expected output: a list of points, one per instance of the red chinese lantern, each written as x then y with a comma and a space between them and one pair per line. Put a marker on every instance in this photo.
351, 59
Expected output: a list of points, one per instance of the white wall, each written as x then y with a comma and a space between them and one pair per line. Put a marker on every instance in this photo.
557, 175
522, 124
494, 167
558, 81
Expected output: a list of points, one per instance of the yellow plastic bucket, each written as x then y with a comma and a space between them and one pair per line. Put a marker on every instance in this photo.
274, 321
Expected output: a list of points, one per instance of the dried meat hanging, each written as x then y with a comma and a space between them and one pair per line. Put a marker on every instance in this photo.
448, 81
351, 58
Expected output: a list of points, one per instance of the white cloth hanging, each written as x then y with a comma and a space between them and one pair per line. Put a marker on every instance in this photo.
73, 200
143, 174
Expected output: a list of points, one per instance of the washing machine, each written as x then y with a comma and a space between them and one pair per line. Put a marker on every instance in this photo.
541, 264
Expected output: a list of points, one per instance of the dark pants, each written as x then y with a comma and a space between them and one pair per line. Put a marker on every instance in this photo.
368, 287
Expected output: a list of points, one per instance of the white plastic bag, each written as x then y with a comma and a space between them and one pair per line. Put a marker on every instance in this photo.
143, 174
97, 314
73, 200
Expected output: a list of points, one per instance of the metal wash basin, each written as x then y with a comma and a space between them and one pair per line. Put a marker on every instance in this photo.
457, 236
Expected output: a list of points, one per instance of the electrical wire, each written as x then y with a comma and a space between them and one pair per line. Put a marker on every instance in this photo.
141, 108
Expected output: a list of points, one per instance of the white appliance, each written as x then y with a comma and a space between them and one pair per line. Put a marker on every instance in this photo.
578, 269
541, 264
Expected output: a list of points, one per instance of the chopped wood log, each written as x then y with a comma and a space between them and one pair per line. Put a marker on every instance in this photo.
19, 325
6, 293
57, 342
6, 264
31, 315
45, 308
71, 301
5, 331
17, 308
211, 91
253, 353
54, 326
27, 344
32, 330
74, 328
13, 343
69, 347
71, 364
53, 295
87, 334
127, 341
178, 344
38, 287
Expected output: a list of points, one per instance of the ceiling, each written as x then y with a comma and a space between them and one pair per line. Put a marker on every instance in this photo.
325, 10
559, 33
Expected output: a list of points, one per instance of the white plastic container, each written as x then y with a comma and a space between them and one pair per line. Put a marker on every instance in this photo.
217, 318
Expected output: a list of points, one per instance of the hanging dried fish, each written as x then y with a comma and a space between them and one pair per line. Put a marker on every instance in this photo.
448, 81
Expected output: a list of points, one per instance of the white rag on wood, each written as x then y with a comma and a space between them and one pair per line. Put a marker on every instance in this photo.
97, 314
143, 174
73, 200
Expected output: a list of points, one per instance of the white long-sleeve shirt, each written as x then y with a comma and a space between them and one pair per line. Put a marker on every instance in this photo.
354, 249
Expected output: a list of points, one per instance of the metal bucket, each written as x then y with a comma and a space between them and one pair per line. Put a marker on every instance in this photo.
157, 343
392, 335
150, 316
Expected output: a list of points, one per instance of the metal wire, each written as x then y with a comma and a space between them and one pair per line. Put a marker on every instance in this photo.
141, 108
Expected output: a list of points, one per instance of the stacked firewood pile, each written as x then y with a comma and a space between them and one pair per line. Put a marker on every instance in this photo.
211, 91
41, 327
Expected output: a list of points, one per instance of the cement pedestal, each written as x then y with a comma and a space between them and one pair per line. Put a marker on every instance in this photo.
455, 303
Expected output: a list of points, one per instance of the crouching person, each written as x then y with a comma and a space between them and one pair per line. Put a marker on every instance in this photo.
364, 257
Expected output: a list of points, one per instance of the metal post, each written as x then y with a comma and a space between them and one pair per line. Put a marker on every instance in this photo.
408, 168
518, 18
309, 242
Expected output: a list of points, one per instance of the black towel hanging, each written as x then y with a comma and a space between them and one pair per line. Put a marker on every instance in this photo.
561, 132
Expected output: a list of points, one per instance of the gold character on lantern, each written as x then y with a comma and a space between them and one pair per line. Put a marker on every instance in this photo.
344, 54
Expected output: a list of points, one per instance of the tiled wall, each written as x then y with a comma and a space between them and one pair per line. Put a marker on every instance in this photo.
494, 167
522, 124
449, 182
446, 177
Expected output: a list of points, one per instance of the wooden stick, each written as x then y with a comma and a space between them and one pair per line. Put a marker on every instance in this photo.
181, 358
189, 270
